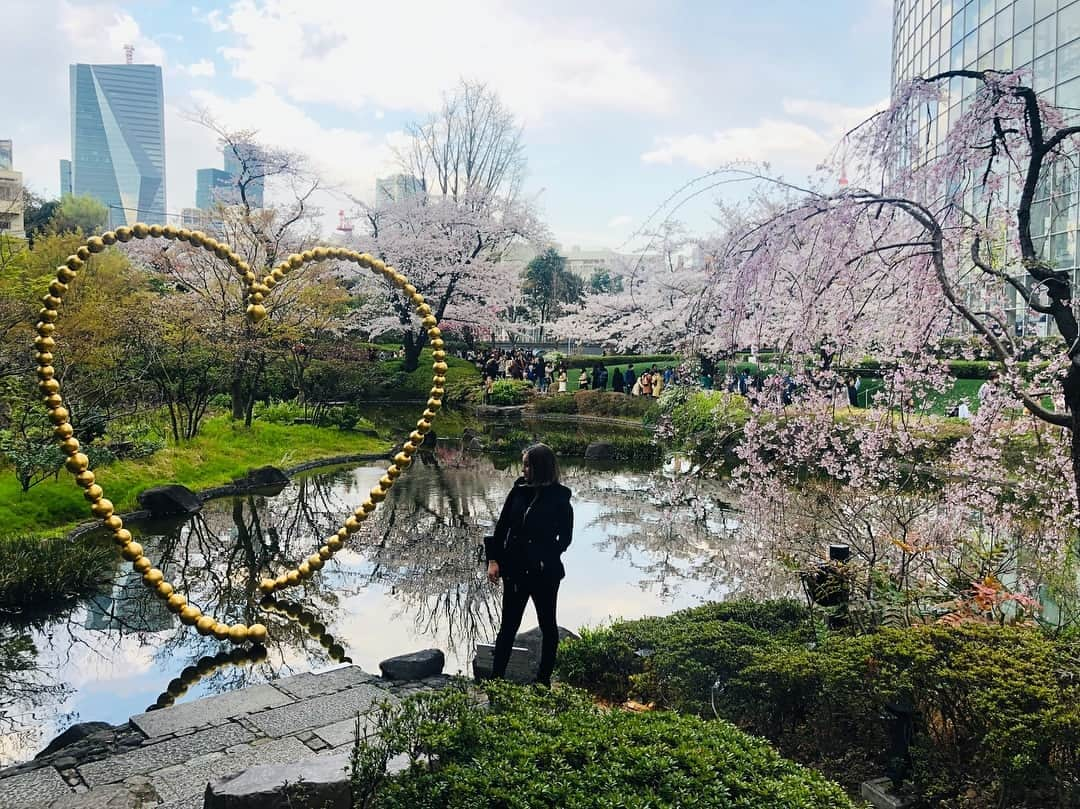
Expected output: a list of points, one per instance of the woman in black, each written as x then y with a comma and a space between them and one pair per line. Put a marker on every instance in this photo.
533, 530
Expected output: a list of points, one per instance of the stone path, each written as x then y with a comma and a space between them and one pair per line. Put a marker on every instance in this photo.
165, 758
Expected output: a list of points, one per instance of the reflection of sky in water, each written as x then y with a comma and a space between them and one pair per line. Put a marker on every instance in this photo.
409, 580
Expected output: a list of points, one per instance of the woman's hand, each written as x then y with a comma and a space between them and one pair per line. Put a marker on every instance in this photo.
493, 571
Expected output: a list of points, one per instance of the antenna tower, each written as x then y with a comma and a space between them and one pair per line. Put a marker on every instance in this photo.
129, 54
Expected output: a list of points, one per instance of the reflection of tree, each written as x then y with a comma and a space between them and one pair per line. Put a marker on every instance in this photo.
26, 693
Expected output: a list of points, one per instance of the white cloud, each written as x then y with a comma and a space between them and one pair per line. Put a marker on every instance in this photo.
214, 20
357, 54
620, 221
776, 140
204, 68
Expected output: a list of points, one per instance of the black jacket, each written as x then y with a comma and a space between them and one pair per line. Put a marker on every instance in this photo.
534, 529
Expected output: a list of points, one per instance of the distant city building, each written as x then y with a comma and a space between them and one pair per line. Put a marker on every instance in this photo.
211, 186
11, 194
65, 177
396, 188
194, 219
118, 139
584, 263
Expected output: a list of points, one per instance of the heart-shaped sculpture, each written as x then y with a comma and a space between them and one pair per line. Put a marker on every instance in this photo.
256, 291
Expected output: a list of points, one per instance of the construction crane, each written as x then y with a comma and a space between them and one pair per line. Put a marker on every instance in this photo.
129, 54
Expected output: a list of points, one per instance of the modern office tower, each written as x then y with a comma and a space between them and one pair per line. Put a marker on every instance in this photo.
396, 187
1041, 37
211, 186
65, 177
11, 194
118, 139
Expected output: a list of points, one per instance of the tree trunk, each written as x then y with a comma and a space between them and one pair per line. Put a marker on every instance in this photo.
414, 344
1071, 388
236, 395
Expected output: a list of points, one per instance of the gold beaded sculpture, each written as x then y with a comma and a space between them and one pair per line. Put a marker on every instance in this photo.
256, 292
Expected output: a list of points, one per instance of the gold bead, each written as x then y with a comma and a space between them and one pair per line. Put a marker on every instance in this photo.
296, 261
153, 576
155, 231
94, 493
429, 414
393, 472
102, 508
334, 544
108, 237
282, 580
140, 230
142, 564
175, 602
50, 387
423, 426
83, 252
53, 400
77, 463
46, 372
238, 633
352, 525
438, 393
123, 233
438, 343
121, 536
256, 312
438, 355
43, 358
424, 310
402, 460
315, 561
408, 449
48, 315
132, 551
257, 297
221, 631
249, 277
386, 482
205, 625
190, 614
63, 431
277, 274
321, 253
439, 380
57, 289
113, 523
342, 534
304, 569
222, 251
440, 367
434, 334
197, 238
429, 322
269, 282
409, 290
325, 552
164, 589
256, 633
85, 479
368, 506
416, 437
377, 495
73, 264
293, 577
267, 586
94, 244
44, 343
183, 235
434, 404
45, 329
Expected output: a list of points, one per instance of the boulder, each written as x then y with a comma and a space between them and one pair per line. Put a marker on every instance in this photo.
532, 639
166, 501
414, 666
75, 733
268, 478
599, 451
322, 781
521, 668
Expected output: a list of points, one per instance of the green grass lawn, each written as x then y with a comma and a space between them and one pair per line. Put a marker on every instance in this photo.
573, 373
940, 403
223, 450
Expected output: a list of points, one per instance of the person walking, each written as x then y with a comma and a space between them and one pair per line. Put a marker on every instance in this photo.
602, 385
629, 378
617, 381
583, 380
534, 529
562, 380
646, 384
658, 383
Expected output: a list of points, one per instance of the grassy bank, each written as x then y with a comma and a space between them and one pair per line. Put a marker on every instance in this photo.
224, 450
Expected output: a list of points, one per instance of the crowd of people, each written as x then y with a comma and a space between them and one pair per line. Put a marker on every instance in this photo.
550, 376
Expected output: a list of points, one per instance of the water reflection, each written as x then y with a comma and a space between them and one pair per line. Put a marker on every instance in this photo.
412, 578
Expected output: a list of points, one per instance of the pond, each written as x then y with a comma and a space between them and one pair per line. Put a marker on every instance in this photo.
411, 579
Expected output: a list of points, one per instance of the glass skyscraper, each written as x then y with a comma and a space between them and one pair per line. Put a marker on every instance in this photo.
211, 186
1041, 37
118, 139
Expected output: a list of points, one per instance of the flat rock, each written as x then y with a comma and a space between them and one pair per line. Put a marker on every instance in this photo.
321, 781
533, 639
317, 711
521, 667
344, 732
32, 790
189, 779
304, 686
166, 501
599, 451
112, 796
163, 754
413, 666
265, 477
209, 710
75, 733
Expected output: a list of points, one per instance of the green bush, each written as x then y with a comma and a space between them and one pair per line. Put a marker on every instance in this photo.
556, 749
287, 412
589, 360
556, 403
595, 403
36, 573
509, 392
631, 447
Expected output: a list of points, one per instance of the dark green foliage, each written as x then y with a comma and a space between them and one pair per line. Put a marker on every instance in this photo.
633, 447
36, 573
595, 403
509, 392
589, 360
540, 748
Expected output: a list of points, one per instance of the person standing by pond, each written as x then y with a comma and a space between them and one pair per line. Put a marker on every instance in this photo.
534, 529
617, 381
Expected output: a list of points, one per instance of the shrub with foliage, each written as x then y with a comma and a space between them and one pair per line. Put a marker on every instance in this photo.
631, 447
595, 403
36, 573
532, 748
509, 392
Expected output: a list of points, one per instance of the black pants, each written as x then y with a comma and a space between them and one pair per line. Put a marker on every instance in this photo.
516, 594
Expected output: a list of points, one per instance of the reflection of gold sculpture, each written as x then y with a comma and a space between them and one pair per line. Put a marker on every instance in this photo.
309, 622
207, 665
255, 292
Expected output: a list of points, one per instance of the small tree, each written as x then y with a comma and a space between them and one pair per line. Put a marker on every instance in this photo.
81, 213
547, 285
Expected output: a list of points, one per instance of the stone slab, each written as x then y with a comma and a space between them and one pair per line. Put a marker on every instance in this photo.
521, 668
319, 781
318, 711
190, 778
879, 792
209, 710
163, 754
344, 732
112, 796
305, 686
32, 790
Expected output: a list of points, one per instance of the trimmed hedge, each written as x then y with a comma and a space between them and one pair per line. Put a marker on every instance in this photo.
996, 709
543, 748
589, 360
595, 403
630, 447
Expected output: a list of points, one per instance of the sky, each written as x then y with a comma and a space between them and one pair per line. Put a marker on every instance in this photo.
622, 101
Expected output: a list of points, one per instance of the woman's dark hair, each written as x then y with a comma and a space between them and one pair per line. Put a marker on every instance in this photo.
545, 467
